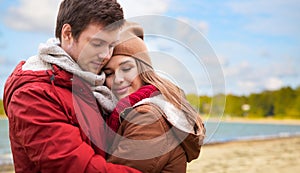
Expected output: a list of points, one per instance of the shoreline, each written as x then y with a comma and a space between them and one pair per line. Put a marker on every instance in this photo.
252, 120
249, 140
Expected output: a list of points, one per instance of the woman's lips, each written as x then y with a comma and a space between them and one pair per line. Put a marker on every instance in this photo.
120, 91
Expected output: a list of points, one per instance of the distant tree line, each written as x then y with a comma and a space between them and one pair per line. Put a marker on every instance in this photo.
282, 103
2, 113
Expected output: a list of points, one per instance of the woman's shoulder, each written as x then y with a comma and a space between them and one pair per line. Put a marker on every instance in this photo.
143, 114
159, 105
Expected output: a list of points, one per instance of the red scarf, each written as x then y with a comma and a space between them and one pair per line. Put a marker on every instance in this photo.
126, 102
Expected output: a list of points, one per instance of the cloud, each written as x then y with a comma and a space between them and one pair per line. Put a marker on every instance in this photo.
33, 15
134, 8
282, 67
40, 15
247, 85
6, 69
275, 17
242, 78
177, 64
250, 67
202, 26
273, 83
245, 77
2, 60
198, 75
236, 71
2, 43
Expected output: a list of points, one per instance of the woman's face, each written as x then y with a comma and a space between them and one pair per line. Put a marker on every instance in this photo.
122, 76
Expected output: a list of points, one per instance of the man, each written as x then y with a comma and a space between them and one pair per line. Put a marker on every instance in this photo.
54, 100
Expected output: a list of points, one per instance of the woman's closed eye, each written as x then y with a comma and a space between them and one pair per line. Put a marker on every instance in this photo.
108, 73
126, 69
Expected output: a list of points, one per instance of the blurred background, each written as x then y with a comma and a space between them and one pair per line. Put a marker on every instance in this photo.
256, 44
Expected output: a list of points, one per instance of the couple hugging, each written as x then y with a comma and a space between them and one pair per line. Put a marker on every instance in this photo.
90, 101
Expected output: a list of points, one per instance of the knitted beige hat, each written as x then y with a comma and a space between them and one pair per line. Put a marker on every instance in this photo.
132, 43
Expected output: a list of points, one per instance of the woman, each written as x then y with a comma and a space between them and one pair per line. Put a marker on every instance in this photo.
157, 129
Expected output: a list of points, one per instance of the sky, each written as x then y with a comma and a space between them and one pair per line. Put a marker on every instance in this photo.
205, 46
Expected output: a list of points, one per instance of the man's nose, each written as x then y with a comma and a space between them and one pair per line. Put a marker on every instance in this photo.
105, 53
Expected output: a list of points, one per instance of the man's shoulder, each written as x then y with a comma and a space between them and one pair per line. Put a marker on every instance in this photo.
35, 63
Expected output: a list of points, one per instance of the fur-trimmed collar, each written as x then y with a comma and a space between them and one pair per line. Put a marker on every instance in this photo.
174, 115
51, 53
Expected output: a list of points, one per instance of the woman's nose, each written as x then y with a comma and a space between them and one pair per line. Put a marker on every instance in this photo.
118, 78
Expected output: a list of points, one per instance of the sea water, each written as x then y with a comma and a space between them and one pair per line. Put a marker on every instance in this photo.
216, 132
5, 151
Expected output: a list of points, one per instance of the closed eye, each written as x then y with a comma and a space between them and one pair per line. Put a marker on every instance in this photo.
98, 42
108, 73
126, 69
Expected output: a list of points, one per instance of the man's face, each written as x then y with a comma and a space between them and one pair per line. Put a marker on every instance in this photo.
93, 48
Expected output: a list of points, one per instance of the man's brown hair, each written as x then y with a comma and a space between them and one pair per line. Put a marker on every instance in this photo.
80, 13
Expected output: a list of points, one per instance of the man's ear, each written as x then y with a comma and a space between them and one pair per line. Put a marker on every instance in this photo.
66, 34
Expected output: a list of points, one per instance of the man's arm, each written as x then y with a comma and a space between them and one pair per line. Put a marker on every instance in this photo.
48, 138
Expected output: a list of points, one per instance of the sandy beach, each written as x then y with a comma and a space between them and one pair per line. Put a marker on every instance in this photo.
280, 155
273, 155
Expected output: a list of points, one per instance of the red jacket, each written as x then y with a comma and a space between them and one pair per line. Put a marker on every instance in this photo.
51, 116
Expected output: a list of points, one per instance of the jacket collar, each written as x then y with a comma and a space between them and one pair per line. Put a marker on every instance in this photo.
174, 115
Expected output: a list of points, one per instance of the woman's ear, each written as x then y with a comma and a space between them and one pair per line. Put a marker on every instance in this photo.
66, 35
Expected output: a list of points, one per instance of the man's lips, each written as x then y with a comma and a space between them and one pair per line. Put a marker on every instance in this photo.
97, 64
